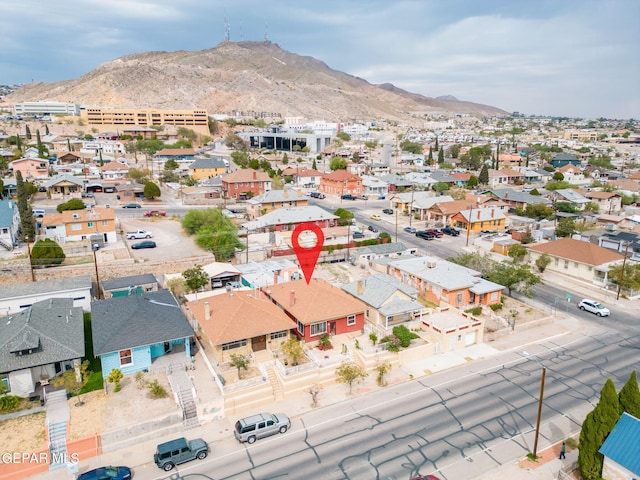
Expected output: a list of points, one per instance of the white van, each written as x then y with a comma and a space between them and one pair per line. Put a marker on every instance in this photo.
38, 212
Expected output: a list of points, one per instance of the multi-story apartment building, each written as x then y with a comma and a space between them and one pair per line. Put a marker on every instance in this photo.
197, 120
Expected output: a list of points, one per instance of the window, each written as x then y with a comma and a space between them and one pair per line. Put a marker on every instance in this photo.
105, 223
351, 320
126, 357
76, 227
300, 327
232, 345
317, 328
90, 224
459, 299
494, 296
5, 386
281, 334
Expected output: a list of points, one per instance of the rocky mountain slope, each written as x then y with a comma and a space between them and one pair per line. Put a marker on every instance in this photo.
242, 76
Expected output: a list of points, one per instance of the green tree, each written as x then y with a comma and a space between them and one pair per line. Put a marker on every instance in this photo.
27, 222
411, 147
350, 373
73, 381
285, 159
42, 149
343, 136
195, 278
542, 262
482, 262
345, 216
213, 126
591, 207
630, 279
234, 141
213, 231
139, 175
430, 156
595, 428
517, 252
314, 166
514, 277
27, 132
151, 190
558, 176
46, 252
629, 396
73, 204
293, 349
241, 362
188, 134
441, 156
440, 187
454, 150
337, 163
539, 211
483, 178
240, 158
565, 227
472, 182
115, 377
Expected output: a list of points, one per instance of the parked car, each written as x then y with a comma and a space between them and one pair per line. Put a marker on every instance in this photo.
372, 228
155, 213
437, 233
249, 429
363, 197
317, 195
594, 306
388, 211
175, 452
358, 235
450, 231
132, 205
375, 216
425, 235
112, 473
410, 229
145, 244
233, 285
348, 197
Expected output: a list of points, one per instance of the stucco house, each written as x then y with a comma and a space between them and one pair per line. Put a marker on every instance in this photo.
269, 272
208, 167
130, 332
363, 256
274, 199
477, 219
9, 223
39, 343
63, 185
576, 258
391, 302
340, 312
97, 225
240, 322
30, 168
608, 202
286, 219
18, 296
441, 281
114, 171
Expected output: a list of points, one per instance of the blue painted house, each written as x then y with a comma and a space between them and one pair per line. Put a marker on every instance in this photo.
9, 223
130, 332
621, 449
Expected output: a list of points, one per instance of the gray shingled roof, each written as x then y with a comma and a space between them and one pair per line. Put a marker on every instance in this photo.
398, 307
376, 289
212, 162
8, 208
132, 281
135, 321
511, 194
63, 177
380, 249
53, 329
45, 286
279, 216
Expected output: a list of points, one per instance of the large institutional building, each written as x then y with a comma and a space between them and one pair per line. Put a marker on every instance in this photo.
46, 108
145, 118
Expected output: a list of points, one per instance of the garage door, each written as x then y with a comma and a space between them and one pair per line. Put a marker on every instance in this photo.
470, 338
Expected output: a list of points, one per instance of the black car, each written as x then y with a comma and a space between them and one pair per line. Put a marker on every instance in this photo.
372, 228
358, 235
450, 231
388, 211
144, 244
113, 473
425, 235
348, 197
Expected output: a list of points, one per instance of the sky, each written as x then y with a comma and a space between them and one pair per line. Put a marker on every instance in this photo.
573, 58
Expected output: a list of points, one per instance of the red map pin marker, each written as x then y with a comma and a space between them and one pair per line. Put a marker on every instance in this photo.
307, 256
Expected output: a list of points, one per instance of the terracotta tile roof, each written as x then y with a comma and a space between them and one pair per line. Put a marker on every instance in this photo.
316, 302
175, 152
578, 251
449, 208
604, 195
505, 172
340, 175
239, 315
246, 175
626, 184
113, 166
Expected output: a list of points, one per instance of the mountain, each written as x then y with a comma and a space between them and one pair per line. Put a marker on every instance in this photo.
242, 76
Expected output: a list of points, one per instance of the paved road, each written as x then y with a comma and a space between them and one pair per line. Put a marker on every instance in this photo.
458, 424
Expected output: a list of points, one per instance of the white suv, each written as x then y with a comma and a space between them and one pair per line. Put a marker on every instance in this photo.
594, 306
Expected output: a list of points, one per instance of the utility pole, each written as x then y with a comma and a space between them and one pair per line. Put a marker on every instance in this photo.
535, 442
469, 223
95, 264
396, 225
411, 205
33, 274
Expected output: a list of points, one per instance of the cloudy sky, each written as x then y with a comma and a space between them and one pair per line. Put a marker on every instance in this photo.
576, 58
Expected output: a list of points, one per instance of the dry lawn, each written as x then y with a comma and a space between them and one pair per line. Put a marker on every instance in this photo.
23, 434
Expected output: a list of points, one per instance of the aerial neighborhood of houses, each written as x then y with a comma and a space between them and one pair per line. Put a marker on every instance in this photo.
561, 197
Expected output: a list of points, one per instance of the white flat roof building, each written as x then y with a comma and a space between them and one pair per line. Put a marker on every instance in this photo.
50, 108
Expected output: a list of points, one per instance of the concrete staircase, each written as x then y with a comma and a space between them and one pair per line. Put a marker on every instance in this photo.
57, 445
189, 409
278, 393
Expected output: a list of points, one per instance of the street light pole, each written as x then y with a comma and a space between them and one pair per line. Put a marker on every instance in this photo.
396, 225
469, 223
535, 442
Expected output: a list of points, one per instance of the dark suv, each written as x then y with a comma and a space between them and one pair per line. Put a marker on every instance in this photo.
175, 452
388, 211
450, 231
348, 197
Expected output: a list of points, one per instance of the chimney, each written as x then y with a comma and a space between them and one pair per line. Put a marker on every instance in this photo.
275, 277
478, 214
255, 175
492, 213
360, 287
285, 193
292, 298
207, 312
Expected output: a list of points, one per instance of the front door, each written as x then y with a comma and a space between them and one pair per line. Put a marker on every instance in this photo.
259, 343
332, 328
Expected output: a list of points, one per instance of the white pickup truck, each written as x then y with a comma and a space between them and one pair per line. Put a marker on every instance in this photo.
139, 234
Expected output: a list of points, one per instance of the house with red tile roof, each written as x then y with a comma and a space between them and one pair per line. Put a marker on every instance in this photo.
341, 183
576, 258
317, 308
114, 170
240, 322
245, 183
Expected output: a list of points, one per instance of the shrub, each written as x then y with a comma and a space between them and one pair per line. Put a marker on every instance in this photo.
9, 403
495, 307
474, 311
405, 335
373, 337
156, 390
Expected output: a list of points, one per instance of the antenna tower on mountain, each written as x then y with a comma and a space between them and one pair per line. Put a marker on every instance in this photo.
227, 29
266, 33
